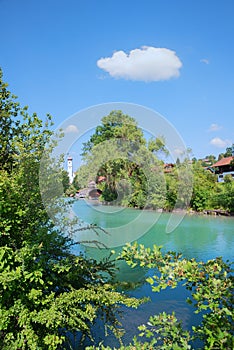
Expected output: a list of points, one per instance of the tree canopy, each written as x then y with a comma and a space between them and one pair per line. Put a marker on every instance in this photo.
118, 152
115, 125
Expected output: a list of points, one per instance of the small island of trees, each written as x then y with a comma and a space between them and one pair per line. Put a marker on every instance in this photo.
140, 179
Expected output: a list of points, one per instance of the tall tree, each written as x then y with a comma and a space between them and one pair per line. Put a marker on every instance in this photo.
203, 187
116, 125
117, 151
9, 124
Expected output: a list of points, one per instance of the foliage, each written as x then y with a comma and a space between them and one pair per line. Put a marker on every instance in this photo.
65, 180
171, 189
134, 176
115, 125
164, 331
208, 160
227, 153
211, 284
8, 125
203, 187
117, 152
207, 193
224, 195
158, 145
107, 153
45, 290
179, 186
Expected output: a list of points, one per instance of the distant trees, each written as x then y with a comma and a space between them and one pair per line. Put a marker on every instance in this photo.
211, 159
208, 160
204, 183
223, 196
227, 153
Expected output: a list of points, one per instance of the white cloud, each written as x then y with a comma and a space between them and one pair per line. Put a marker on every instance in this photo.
218, 142
205, 60
145, 64
215, 127
178, 151
71, 129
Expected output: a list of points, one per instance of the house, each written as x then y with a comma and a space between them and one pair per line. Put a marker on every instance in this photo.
168, 167
224, 166
101, 179
206, 161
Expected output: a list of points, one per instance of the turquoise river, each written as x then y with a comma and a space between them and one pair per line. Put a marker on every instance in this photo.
195, 236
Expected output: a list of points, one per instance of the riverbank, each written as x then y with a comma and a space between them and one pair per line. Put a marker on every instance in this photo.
214, 212
218, 212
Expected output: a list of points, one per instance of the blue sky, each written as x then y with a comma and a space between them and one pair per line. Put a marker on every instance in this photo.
173, 56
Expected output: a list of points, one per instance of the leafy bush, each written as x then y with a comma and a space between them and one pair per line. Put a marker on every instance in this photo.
45, 290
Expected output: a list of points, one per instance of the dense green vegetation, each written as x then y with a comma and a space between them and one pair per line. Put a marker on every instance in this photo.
207, 193
47, 294
45, 290
134, 176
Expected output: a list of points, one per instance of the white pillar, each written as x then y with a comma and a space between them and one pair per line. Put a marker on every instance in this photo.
70, 169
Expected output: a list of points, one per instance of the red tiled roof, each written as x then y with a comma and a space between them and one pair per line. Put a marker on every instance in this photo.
223, 161
101, 178
168, 165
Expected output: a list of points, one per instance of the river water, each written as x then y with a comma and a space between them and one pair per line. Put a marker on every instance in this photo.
195, 236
